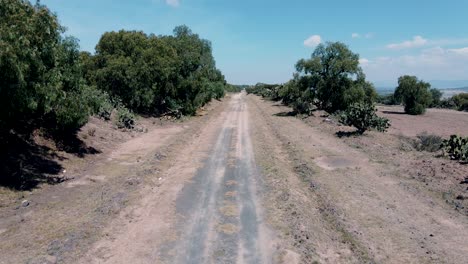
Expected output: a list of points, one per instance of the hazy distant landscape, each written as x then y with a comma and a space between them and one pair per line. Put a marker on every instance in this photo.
447, 92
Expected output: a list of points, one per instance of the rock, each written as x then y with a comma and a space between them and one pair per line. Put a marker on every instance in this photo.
133, 181
25, 203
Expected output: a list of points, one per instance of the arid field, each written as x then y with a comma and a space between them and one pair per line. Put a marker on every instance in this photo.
285, 189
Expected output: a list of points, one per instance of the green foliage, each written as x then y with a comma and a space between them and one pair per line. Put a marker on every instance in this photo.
436, 96
264, 90
156, 74
332, 79
457, 102
461, 101
414, 94
448, 103
456, 147
40, 73
428, 142
363, 117
125, 118
231, 88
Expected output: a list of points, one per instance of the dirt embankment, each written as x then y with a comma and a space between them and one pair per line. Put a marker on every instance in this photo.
63, 220
340, 201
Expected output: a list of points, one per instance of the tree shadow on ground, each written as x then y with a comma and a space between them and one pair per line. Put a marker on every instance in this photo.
394, 113
283, 114
342, 134
70, 143
24, 164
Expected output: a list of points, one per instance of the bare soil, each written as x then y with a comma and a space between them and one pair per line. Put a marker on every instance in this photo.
357, 199
442, 122
246, 182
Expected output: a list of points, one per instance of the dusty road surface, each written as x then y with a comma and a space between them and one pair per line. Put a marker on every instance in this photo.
248, 183
209, 210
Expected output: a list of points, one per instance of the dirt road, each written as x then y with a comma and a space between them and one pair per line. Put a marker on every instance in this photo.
209, 211
246, 184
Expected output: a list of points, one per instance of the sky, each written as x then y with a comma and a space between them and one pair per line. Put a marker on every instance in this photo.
260, 41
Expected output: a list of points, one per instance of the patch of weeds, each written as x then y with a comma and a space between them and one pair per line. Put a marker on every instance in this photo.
427, 142
92, 132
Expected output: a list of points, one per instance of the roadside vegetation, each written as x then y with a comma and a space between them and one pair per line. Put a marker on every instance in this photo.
331, 80
47, 83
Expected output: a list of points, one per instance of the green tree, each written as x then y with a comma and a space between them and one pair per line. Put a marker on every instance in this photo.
40, 74
461, 101
436, 96
414, 94
332, 78
156, 74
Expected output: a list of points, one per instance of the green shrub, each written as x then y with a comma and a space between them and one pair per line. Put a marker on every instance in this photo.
428, 142
448, 103
456, 147
414, 94
363, 117
125, 118
71, 114
415, 108
436, 95
461, 101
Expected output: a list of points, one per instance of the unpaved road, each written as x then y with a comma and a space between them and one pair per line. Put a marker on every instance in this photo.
209, 210
249, 184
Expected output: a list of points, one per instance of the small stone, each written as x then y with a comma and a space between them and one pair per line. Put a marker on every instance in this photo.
25, 203
160, 179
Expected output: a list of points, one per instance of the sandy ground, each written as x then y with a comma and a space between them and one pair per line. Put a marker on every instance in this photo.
339, 201
245, 183
442, 122
207, 209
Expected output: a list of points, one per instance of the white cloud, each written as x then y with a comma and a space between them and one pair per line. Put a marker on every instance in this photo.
173, 3
461, 51
313, 41
367, 35
417, 41
429, 64
364, 61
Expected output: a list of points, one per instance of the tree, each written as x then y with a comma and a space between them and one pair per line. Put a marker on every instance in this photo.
156, 74
332, 78
436, 96
40, 74
414, 94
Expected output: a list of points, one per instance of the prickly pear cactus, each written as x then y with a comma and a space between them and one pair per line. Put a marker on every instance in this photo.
456, 147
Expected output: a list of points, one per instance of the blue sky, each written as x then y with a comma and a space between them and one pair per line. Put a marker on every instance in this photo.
260, 41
